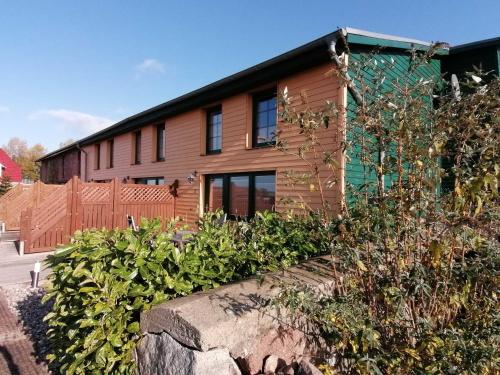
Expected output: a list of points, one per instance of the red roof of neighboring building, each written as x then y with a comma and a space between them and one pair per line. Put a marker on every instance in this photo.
11, 168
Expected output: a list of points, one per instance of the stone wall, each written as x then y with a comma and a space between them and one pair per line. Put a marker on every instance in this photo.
229, 330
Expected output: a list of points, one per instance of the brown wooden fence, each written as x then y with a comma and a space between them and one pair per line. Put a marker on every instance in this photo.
84, 205
20, 198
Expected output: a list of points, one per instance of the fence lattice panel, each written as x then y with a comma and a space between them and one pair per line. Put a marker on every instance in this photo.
79, 205
20, 198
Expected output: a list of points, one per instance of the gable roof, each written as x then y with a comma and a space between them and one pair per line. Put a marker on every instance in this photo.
11, 168
307, 55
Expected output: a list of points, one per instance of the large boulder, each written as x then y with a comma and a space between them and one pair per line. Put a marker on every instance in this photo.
236, 318
161, 354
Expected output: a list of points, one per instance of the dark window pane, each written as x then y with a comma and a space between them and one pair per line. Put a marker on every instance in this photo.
238, 195
214, 144
262, 120
271, 133
262, 135
272, 103
262, 106
271, 118
150, 180
160, 142
98, 156
214, 193
111, 152
265, 192
137, 147
265, 120
214, 130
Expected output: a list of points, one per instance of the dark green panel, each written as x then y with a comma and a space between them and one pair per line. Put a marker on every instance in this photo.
356, 176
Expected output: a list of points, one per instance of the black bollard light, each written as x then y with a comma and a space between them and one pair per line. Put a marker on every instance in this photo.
36, 275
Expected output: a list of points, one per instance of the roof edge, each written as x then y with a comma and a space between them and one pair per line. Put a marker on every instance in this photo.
354, 36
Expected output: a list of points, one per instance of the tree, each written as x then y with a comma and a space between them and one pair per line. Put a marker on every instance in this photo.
16, 147
25, 156
5, 185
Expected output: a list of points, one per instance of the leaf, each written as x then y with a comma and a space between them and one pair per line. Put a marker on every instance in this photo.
133, 327
361, 266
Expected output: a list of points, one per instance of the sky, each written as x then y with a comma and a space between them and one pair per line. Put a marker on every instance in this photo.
70, 68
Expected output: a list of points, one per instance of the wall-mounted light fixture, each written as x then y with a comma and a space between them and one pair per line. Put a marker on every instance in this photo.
192, 177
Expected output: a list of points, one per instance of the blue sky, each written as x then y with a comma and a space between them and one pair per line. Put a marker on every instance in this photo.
68, 68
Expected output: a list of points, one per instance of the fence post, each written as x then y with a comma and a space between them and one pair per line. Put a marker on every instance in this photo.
75, 204
69, 215
116, 190
25, 230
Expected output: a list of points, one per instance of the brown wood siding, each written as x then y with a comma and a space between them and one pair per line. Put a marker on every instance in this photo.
59, 169
185, 139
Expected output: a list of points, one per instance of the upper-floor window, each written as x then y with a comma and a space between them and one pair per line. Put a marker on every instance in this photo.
214, 130
264, 118
111, 152
160, 142
137, 147
97, 160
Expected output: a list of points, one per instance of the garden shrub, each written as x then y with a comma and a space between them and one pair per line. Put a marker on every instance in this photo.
103, 280
416, 269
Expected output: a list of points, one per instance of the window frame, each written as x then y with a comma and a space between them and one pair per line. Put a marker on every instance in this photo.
160, 127
111, 153
209, 112
157, 180
226, 193
97, 160
137, 147
256, 98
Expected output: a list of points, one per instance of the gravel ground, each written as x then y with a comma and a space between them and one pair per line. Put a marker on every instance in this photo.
26, 303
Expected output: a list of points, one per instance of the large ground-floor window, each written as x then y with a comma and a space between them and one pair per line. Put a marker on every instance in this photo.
150, 180
240, 194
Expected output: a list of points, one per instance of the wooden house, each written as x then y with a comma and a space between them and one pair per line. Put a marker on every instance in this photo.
216, 144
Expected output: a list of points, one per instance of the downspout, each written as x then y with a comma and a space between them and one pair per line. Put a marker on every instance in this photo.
351, 85
342, 63
86, 160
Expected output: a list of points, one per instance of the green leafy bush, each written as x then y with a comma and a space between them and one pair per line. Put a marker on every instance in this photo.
103, 280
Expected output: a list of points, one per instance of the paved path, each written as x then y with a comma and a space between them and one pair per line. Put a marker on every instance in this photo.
16, 351
15, 269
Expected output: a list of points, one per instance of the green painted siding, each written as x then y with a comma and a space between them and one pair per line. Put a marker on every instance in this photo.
356, 176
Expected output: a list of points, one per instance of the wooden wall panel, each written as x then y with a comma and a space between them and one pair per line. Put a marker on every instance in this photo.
184, 153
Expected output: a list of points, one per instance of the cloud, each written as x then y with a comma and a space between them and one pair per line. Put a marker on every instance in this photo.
4, 109
83, 122
150, 66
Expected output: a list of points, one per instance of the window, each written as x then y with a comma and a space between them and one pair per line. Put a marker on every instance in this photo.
97, 162
150, 180
214, 130
264, 118
241, 194
214, 193
239, 191
111, 152
265, 192
137, 147
160, 142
